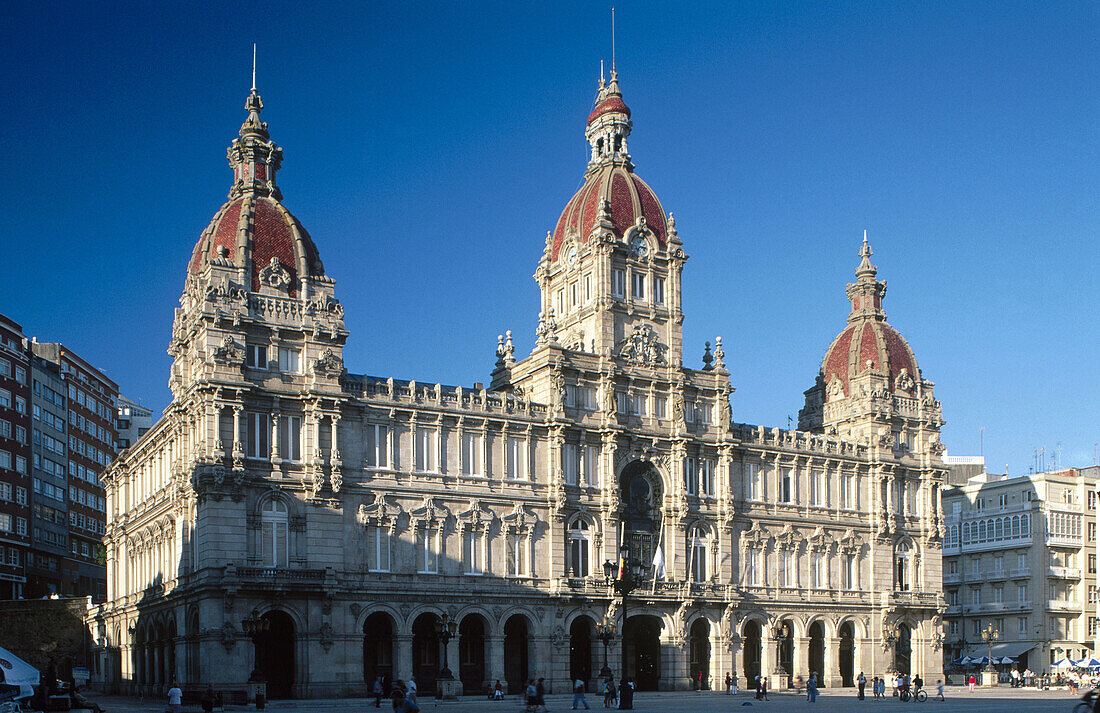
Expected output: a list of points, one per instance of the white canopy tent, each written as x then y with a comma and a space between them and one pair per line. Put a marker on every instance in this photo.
14, 671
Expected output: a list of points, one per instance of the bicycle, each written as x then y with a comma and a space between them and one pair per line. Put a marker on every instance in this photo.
919, 696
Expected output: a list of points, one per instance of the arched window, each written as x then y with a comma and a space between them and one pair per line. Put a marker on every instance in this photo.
1000, 529
273, 534
901, 577
698, 554
578, 549
1016, 526
966, 533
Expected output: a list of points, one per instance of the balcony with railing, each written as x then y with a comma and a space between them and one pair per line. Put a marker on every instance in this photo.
1064, 572
996, 574
1019, 572
952, 577
1063, 605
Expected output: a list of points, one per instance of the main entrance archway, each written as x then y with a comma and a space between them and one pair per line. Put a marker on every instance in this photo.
275, 654
471, 654
642, 651
515, 653
699, 654
425, 652
847, 654
580, 649
903, 652
751, 652
377, 647
816, 651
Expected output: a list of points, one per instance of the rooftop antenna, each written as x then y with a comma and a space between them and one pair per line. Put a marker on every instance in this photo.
601, 72
253, 66
612, 40
981, 435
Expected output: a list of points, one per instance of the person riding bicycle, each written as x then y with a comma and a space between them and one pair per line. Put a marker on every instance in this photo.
918, 683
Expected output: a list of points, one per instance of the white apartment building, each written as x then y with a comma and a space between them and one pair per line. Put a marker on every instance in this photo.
1020, 554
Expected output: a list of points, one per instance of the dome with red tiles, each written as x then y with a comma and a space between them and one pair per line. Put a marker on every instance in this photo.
253, 229
610, 182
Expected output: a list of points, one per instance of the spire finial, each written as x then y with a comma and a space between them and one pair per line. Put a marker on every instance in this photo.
601, 74
612, 40
866, 269
253, 66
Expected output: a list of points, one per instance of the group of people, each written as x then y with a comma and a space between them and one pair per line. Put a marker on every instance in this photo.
402, 694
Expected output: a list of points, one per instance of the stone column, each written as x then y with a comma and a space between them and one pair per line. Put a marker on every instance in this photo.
800, 658
830, 677
404, 662
767, 655
238, 446
452, 660
496, 659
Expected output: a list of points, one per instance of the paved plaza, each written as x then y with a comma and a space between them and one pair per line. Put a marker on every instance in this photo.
958, 699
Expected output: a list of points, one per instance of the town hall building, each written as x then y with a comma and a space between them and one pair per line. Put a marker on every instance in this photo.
293, 519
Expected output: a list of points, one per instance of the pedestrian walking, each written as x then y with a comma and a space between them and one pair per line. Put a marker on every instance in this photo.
540, 692
861, 683
403, 704
939, 690
764, 687
175, 698
578, 694
811, 688
729, 684
759, 690
531, 696
410, 693
376, 689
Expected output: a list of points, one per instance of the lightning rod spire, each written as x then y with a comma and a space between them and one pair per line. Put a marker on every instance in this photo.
253, 66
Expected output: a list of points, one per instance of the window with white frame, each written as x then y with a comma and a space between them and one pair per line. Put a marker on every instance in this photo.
517, 458
517, 554
471, 453
622, 403
427, 550
755, 476
377, 445
578, 549
817, 488
698, 554
705, 413
289, 360
638, 286
752, 566
273, 534
425, 449
691, 476
258, 433
786, 568
618, 282
902, 577
817, 570
256, 356
786, 485
290, 438
847, 501
378, 548
660, 407
849, 578
658, 290
473, 554
637, 405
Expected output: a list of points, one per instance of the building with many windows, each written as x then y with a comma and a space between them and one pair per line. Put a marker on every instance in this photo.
15, 455
334, 524
132, 421
1020, 554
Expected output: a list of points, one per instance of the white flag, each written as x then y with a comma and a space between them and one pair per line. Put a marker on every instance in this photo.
658, 564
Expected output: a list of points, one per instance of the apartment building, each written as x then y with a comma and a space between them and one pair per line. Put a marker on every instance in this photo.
14, 457
1020, 554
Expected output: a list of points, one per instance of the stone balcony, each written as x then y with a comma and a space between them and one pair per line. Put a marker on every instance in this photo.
1019, 572
1062, 605
1064, 572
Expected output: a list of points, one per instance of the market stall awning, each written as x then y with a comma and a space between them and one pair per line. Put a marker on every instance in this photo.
14, 671
1009, 648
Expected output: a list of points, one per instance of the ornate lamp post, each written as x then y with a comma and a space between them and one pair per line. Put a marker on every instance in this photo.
779, 632
889, 643
989, 635
622, 583
253, 626
446, 686
605, 631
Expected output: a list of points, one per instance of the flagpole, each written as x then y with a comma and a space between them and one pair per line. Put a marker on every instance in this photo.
660, 539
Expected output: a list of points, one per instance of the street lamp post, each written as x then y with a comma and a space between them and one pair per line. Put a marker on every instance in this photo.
622, 583
779, 632
891, 640
989, 635
253, 626
445, 629
605, 631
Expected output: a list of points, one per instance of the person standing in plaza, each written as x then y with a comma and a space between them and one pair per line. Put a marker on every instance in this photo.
764, 687
729, 684
376, 689
175, 698
861, 683
578, 694
811, 688
971, 682
540, 693
411, 693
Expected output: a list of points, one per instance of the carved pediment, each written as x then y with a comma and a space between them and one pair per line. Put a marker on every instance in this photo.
275, 275
328, 364
430, 512
851, 542
819, 541
476, 516
788, 538
229, 352
381, 511
757, 536
520, 518
642, 347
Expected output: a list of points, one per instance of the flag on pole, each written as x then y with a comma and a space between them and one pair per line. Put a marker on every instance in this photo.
658, 564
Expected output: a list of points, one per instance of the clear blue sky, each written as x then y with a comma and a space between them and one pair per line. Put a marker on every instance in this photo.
429, 146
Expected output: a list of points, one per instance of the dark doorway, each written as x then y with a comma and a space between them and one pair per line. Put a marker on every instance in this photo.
751, 651
816, 651
425, 652
275, 654
515, 653
699, 660
642, 651
580, 649
471, 654
377, 647
904, 651
847, 654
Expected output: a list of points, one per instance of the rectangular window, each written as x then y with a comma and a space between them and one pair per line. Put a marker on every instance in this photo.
471, 454
637, 404
691, 476
618, 282
472, 552
756, 481
290, 438
658, 290
817, 570
517, 554
20, 495
257, 356
517, 458
848, 579
378, 549
704, 411
706, 477
5, 491
377, 438
259, 431
427, 546
5, 522
5, 398
21, 526
571, 463
5, 460
561, 301
786, 568
588, 466
425, 449
660, 407
622, 403
288, 360
786, 485
817, 487
752, 570
638, 286
587, 295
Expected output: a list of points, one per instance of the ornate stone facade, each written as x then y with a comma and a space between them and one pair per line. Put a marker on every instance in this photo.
348, 512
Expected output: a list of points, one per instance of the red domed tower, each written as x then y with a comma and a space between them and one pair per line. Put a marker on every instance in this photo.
610, 270
870, 388
257, 308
